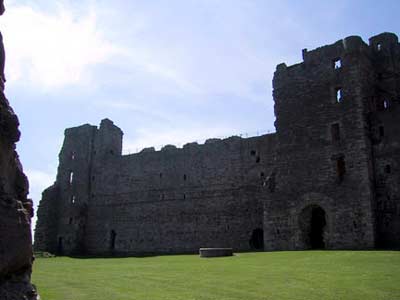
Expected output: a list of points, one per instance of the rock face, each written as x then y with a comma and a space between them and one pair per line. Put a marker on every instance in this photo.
328, 178
15, 213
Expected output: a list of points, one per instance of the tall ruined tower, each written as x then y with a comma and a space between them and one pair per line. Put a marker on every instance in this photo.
63, 211
385, 135
325, 194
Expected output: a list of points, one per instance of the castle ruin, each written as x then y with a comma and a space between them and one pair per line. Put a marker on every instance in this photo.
329, 178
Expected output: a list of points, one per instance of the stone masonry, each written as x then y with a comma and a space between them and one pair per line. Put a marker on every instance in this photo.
329, 178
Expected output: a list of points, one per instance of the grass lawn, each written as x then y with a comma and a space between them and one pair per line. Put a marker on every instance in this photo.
268, 275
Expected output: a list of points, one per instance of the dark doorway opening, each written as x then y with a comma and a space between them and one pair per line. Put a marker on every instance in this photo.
113, 236
257, 239
318, 223
313, 224
60, 246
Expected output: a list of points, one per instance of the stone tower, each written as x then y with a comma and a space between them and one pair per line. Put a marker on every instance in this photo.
326, 159
385, 137
63, 212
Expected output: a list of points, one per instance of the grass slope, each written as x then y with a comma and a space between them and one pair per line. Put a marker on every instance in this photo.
274, 275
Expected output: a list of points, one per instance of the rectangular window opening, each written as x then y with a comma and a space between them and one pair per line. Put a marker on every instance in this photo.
73, 199
379, 47
335, 132
340, 168
388, 169
337, 63
381, 131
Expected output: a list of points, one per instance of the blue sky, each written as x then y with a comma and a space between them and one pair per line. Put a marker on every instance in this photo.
166, 72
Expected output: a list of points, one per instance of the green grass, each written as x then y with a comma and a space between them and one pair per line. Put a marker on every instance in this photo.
274, 275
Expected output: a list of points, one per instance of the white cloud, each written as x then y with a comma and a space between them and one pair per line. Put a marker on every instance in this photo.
52, 50
38, 181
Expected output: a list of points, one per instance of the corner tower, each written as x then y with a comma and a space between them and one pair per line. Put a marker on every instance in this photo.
324, 193
385, 135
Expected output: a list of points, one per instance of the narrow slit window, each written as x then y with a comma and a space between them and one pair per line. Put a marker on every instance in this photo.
258, 159
339, 96
335, 132
385, 104
340, 168
379, 47
71, 177
184, 196
337, 63
184, 177
70, 221
72, 155
381, 131
73, 199
388, 169
113, 237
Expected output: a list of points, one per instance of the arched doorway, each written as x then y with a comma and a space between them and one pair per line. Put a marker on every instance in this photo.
257, 239
312, 223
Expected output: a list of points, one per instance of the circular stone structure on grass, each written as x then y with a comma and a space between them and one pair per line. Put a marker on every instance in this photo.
215, 252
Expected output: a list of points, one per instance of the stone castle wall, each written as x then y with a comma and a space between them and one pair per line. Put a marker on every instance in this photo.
168, 201
321, 181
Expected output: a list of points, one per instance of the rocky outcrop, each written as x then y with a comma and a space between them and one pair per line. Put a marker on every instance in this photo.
15, 213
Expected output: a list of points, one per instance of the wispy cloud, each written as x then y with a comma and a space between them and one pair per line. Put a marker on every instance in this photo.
53, 50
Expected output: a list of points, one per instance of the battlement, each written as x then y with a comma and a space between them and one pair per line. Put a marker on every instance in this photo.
195, 146
331, 55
